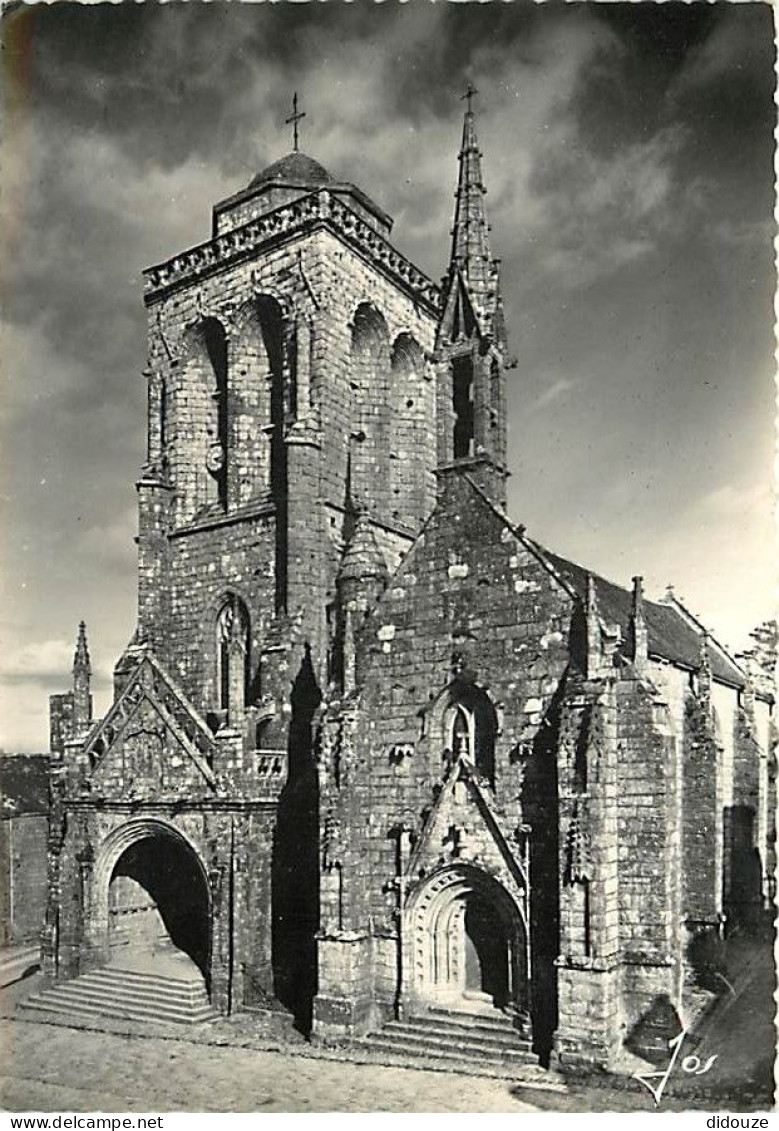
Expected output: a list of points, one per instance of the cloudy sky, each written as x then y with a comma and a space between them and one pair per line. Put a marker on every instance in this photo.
628, 158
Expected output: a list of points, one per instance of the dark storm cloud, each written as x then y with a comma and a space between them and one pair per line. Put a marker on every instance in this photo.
628, 159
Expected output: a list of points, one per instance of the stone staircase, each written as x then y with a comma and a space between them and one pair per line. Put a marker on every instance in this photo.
132, 995
451, 1038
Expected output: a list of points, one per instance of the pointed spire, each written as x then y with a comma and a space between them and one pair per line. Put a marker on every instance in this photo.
82, 670
470, 235
81, 661
470, 344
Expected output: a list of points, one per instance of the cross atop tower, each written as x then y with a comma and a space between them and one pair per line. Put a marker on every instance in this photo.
469, 94
293, 120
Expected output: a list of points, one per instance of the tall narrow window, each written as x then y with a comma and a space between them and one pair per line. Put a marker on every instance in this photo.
163, 415
462, 733
462, 400
494, 393
232, 649
216, 347
470, 728
369, 369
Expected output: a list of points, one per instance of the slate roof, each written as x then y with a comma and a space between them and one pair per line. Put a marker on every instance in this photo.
24, 784
672, 636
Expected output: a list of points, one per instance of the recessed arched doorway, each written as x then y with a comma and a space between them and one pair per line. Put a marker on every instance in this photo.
465, 943
158, 902
487, 949
152, 898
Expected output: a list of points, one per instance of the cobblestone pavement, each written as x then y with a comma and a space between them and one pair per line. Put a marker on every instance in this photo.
53, 1068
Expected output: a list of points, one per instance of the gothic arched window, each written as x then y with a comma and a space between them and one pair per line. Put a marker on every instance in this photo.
232, 649
462, 732
369, 370
216, 348
470, 727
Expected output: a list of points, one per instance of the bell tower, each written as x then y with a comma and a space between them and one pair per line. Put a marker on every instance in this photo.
471, 338
289, 378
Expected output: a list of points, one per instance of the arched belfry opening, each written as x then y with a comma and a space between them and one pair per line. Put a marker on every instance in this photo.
412, 448
196, 422
215, 342
258, 380
370, 416
462, 405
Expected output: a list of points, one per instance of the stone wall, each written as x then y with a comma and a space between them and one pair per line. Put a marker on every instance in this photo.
470, 602
23, 841
331, 431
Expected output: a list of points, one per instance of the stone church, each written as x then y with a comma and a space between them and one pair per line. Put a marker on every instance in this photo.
377, 760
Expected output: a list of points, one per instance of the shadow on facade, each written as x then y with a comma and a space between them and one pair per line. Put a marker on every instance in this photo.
650, 1035
743, 869
540, 811
295, 866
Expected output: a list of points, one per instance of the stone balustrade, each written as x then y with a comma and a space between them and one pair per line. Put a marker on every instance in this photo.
318, 208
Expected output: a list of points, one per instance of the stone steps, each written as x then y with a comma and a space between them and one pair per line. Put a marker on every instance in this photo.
127, 994
453, 1039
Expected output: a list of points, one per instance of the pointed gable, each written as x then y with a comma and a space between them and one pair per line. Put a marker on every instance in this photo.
463, 827
152, 744
459, 320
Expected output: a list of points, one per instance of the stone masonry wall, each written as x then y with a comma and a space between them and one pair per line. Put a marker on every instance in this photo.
23, 842
468, 591
318, 279
649, 852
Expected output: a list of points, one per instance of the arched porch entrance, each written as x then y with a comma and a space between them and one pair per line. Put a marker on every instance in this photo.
465, 944
152, 899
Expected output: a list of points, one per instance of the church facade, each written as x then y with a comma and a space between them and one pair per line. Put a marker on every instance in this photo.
373, 750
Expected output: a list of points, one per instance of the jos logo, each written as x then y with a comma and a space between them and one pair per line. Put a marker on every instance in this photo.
690, 1064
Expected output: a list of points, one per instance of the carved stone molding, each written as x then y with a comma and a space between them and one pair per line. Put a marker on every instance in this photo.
318, 209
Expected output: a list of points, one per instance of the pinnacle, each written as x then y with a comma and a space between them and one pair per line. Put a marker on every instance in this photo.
81, 658
363, 556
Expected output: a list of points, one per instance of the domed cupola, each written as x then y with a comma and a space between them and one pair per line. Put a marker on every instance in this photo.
296, 169
287, 180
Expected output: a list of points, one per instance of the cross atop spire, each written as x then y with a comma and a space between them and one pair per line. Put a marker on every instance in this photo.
469, 94
293, 120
